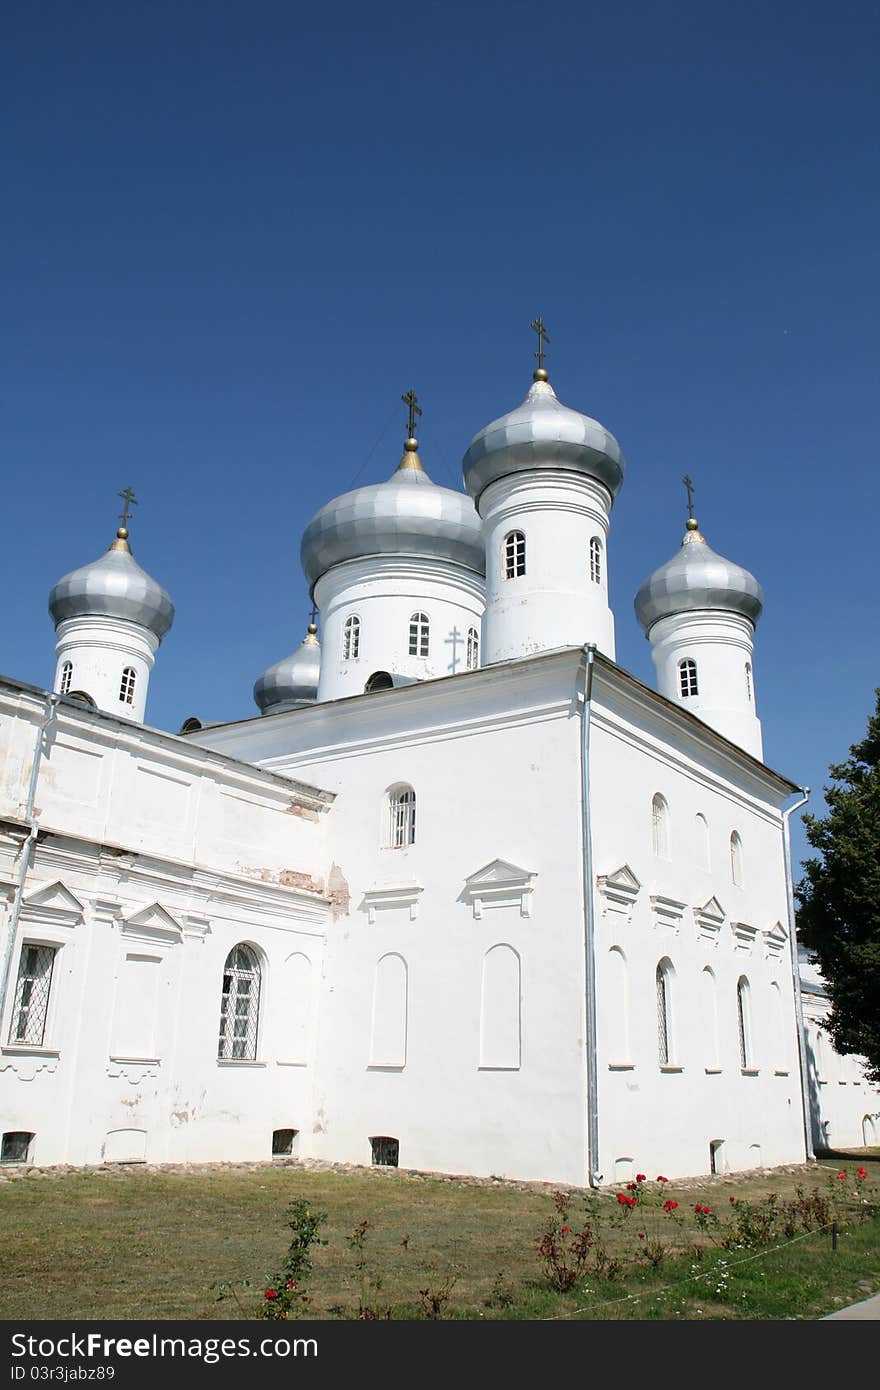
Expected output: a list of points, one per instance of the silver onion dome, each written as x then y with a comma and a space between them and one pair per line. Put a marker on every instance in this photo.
293, 682
697, 578
407, 515
542, 433
113, 586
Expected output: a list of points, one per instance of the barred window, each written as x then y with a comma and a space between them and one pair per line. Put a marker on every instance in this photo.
385, 1150
402, 807
419, 634
32, 995
16, 1146
240, 1006
664, 1019
687, 677
744, 1022
736, 859
660, 827
473, 649
126, 686
66, 677
351, 639
514, 554
596, 560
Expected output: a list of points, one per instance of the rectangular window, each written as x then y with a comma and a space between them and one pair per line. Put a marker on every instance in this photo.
32, 995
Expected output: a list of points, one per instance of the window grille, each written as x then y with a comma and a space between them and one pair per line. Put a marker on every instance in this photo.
403, 817
514, 554
379, 680
351, 639
240, 1006
742, 1016
736, 867
473, 649
16, 1146
419, 633
596, 560
66, 677
687, 675
663, 1030
660, 827
386, 1151
32, 995
748, 682
126, 686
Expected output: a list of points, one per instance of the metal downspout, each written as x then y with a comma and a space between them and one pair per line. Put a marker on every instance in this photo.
26, 850
594, 1177
795, 971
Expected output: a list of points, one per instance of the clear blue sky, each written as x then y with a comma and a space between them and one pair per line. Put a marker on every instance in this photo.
235, 233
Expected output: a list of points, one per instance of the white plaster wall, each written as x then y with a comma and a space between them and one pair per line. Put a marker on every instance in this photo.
555, 603
844, 1105
384, 592
100, 649
721, 644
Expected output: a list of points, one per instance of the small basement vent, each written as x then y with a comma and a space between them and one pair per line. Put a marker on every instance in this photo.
386, 1151
16, 1146
283, 1141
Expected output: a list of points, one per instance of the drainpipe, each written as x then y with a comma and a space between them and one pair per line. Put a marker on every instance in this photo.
594, 1177
26, 849
795, 970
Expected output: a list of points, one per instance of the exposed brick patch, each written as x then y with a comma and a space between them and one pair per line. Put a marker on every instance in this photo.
338, 892
296, 808
292, 878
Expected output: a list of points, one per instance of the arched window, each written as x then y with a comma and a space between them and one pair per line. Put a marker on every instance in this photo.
351, 639
596, 560
664, 1012
703, 850
736, 859
379, 680
66, 677
660, 826
744, 1024
126, 686
473, 649
709, 1009
402, 817
749, 682
687, 677
514, 554
419, 634
240, 1006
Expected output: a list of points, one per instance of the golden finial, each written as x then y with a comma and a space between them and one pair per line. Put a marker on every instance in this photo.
411, 444
312, 633
540, 373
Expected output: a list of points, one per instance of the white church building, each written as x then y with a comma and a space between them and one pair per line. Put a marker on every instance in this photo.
465, 895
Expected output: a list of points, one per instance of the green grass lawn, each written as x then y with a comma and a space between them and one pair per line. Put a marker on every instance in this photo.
127, 1243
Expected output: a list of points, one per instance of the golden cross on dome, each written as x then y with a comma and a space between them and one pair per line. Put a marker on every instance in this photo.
130, 501
689, 484
543, 337
410, 400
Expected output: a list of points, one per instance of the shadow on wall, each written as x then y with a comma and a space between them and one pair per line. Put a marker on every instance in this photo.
818, 1135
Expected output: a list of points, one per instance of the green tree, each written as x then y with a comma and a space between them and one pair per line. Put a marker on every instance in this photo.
838, 916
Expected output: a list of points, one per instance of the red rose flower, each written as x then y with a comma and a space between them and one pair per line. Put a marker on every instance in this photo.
697, 1208
641, 1235
565, 1230
662, 1179
862, 1173
707, 1211
842, 1175
640, 1177
291, 1284
670, 1205
621, 1199
731, 1199
630, 1201
270, 1293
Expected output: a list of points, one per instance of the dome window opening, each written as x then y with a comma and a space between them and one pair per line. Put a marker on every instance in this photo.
126, 685
385, 1151
66, 677
687, 677
748, 682
351, 639
419, 634
596, 560
514, 555
402, 809
473, 649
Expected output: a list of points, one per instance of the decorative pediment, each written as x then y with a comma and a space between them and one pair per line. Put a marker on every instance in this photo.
500, 884
709, 920
51, 905
154, 924
618, 892
667, 912
775, 942
384, 896
744, 937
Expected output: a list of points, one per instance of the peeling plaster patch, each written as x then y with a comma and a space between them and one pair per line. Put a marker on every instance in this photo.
338, 892
296, 808
292, 878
